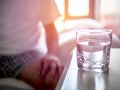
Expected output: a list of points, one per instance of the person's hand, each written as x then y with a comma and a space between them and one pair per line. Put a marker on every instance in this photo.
50, 69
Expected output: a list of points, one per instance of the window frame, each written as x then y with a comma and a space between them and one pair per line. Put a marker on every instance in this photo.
90, 15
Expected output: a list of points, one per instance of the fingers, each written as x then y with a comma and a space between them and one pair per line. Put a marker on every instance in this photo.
50, 70
54, 74
45, 69
60, 69
51, 74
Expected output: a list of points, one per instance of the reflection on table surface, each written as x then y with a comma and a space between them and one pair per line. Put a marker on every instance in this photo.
76, 79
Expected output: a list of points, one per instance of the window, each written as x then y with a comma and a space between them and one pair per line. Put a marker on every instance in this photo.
74, 9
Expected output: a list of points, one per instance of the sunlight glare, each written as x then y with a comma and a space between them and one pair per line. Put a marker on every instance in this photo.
78, 7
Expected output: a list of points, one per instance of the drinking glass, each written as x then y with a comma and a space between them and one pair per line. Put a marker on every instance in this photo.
93, 49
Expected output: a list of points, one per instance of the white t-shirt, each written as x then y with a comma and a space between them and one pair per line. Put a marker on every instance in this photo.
19, 20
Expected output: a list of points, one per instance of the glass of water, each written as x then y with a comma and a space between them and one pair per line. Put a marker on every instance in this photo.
93, 49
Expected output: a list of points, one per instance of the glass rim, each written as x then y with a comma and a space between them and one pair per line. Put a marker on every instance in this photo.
97, 30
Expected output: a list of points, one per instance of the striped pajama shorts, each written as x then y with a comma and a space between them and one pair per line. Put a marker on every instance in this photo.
12, 65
